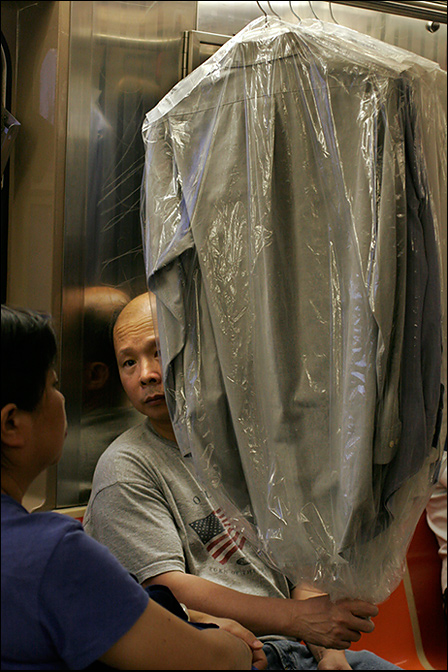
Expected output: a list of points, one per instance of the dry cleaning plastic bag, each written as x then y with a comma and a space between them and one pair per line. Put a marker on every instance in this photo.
294, 188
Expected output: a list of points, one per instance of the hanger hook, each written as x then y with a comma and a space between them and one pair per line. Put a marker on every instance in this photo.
293, 12
311, 7
261, 8
332, 15
277, 15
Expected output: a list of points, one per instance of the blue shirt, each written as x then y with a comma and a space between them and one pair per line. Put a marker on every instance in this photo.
65, 598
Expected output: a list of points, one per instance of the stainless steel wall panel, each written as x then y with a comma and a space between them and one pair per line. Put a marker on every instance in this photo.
37, 165
76, 190
124, 57
198, 47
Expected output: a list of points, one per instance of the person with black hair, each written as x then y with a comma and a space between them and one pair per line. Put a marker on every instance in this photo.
67, 603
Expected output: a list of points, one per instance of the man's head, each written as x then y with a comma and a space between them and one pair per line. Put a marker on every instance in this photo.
101, 386
28, 353
33, 419
138, 362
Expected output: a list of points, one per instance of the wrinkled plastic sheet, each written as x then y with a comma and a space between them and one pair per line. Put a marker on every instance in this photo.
295, 185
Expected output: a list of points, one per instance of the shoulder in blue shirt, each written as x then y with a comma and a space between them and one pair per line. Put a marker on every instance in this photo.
65, 598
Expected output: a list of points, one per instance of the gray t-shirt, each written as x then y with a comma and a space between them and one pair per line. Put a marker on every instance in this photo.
148, 507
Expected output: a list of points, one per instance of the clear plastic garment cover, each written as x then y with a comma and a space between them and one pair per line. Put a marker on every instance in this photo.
294, 188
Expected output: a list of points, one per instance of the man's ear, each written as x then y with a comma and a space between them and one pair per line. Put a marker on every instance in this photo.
12, 426
96, 375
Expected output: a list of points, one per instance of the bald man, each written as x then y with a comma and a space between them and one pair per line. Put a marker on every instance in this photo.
137, 356
148, 507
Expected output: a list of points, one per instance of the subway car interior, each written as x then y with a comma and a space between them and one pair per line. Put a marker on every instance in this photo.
108, 141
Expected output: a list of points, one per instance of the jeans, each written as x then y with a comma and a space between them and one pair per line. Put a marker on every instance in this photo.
283, 654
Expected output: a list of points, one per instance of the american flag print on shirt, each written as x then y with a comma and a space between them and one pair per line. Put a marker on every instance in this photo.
218, 536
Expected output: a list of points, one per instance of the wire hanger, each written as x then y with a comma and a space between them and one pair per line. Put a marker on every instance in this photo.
293, 12
332, 15
261, 8
277, 15
314, 13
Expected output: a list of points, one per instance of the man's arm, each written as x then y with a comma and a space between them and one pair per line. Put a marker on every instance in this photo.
316, 620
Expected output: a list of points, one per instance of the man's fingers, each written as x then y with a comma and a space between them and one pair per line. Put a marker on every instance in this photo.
355, 636
368, 626
362, 625
259, 660
342, 644
363, 609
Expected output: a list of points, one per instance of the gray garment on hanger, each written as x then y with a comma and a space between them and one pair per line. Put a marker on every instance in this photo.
275, 239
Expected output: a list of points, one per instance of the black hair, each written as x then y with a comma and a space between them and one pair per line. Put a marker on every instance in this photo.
28, 352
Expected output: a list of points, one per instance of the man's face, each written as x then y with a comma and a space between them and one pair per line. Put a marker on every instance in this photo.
49, 423
138, 360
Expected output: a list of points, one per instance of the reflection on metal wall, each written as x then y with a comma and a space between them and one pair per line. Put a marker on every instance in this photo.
124, 57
